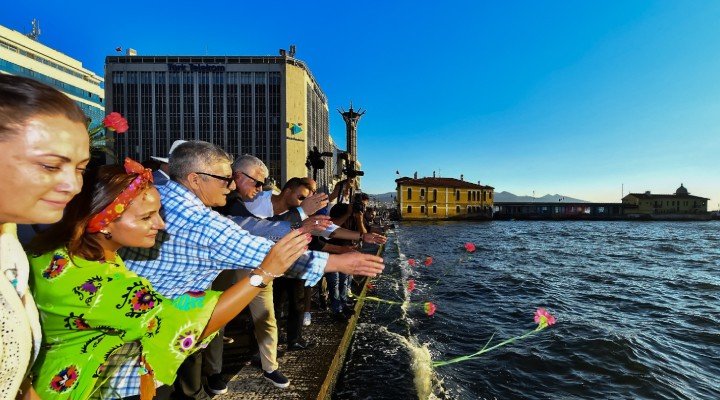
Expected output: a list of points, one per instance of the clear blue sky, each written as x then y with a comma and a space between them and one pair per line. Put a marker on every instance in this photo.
570, 97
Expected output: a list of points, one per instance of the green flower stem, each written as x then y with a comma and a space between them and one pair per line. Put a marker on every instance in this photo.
485, 349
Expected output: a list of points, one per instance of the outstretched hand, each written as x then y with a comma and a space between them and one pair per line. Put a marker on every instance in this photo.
314, 202
374, 238
286, 251
316, 223
355, 263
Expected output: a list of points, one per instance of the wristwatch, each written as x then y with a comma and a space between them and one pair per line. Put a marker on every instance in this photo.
257, 281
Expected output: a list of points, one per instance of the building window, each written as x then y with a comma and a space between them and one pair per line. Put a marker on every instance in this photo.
434, 194
422, 209
409, 194
409, 210
457, 209
469, 197
457, 195
422, 193
434, 209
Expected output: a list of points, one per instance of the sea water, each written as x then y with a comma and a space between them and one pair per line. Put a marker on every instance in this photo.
637, 307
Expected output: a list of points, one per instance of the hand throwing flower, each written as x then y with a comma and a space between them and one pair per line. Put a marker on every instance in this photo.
542, 318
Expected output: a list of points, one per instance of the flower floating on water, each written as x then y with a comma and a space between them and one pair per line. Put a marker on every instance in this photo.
542, 318
411, 285
411, 262
469, 247
428, 261
429, 308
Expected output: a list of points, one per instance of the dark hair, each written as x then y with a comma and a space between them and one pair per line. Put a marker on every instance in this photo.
97, 193
23, 98
295, 183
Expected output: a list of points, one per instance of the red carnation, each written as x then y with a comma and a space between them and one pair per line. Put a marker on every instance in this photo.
115, 122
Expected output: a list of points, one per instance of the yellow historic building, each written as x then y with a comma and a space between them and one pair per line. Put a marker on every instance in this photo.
654, 204
443, 198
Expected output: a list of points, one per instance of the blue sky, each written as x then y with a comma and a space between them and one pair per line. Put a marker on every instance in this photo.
580, 98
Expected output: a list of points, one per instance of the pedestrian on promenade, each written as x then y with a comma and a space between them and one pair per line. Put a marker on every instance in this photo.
96, 313
45, 148
198, 243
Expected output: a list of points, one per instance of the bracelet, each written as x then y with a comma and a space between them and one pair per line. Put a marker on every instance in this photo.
269, 274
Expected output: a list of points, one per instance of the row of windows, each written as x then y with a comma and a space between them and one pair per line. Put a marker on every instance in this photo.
56, 83
43, 60
472, 195
242, 117
673, 203
470, 209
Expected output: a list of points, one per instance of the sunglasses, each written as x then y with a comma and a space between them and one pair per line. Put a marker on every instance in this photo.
227, 180
258, 184
301, 198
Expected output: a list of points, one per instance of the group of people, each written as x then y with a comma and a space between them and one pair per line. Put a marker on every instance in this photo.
114, 299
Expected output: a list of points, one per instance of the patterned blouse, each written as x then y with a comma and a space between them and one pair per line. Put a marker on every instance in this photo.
91, 309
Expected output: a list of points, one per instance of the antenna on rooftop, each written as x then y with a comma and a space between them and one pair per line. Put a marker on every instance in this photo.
292, 51
35, 34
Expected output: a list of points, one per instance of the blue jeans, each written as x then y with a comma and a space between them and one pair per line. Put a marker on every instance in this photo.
337, 285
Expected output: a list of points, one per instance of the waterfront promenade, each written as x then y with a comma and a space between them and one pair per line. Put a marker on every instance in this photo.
312, 372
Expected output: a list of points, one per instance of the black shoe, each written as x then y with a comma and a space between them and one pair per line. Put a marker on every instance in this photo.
216, 384
339, 317
277, 379
348, 311
299, 345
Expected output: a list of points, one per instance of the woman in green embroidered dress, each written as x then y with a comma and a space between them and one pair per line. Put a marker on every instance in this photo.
93, 308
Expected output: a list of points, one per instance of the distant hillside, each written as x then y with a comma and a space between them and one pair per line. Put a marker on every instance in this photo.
383, 197
501, 197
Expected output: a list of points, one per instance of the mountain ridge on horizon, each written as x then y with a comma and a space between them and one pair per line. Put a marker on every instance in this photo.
500, 197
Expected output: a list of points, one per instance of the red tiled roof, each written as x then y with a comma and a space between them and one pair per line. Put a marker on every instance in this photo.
440, 182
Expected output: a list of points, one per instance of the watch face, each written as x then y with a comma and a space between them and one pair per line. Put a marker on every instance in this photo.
256, 280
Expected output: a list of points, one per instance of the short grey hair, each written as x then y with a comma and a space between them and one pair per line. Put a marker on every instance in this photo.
245, 161
194, 156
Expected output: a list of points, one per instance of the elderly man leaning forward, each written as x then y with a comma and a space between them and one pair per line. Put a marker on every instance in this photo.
198, 242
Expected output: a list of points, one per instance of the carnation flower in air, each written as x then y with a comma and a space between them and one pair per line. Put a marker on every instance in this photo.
411, 262
469, 247
411, 285
428, 261
543, 318
429, 308
115, 122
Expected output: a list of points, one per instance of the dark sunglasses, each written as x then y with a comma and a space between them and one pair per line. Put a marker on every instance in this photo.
227, 180
301, 198
258, 184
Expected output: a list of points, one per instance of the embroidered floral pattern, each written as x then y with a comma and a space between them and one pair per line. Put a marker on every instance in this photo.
186, 341
57, 264
64, 379
76, 322
140, 298
89, 289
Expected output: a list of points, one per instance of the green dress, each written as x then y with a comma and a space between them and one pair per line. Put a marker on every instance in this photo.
90, 309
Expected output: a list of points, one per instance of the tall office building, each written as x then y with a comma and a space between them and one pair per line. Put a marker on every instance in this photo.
24, 55
267, 106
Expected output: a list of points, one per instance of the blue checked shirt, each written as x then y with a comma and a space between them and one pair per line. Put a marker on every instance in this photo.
197, 244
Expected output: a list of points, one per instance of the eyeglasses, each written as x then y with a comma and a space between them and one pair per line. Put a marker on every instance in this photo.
227, 180
258, 184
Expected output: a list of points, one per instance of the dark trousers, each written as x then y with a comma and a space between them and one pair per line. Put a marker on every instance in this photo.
294, 291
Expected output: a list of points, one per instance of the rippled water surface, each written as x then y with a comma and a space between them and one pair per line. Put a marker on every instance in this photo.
637, 304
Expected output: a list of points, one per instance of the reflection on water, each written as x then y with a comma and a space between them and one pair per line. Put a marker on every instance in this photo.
638, 309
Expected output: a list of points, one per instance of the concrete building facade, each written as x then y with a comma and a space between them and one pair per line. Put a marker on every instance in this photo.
24, 55
268, 106
681, 202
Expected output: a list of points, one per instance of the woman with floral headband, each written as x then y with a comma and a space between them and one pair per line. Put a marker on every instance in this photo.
97, 314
